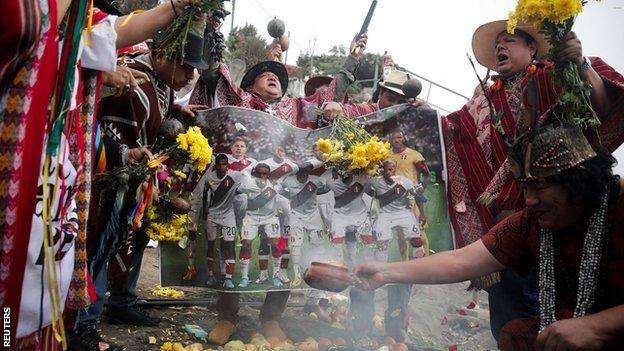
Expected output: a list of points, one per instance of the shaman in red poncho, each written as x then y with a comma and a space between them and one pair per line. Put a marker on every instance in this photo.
476, 155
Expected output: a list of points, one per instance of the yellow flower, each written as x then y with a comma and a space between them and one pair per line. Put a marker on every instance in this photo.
323, 145
333, 156
167, 292
180, 174
358, 163
197, 145
172, 230
536, 11
512, 22
350, 136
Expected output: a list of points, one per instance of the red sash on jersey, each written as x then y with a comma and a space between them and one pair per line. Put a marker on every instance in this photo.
262, 199
280, 171
396, 192
222, 190
304, 195
239, 165
349, 195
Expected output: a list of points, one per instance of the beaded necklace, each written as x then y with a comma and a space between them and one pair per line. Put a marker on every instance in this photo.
589, 272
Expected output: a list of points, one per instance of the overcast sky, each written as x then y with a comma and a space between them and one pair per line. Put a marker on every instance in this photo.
430, 38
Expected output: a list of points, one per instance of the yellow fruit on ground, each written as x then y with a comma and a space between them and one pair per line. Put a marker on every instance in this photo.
308, 345
273, 341
234, 345
195, 347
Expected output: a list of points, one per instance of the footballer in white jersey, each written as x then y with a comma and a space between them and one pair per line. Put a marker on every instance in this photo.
219, 188
302, 189
261, 213
280, 168
395, 214
349, 207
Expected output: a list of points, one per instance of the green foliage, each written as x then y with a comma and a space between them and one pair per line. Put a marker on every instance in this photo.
173, 39
245, 44
574, 106
330, 63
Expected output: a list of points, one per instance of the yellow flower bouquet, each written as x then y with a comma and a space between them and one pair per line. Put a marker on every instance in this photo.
168, 227
185, 158
350, 149
554, 19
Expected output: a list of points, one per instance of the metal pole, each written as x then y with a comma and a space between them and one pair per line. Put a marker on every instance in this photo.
232, 16
286, 56
376, 76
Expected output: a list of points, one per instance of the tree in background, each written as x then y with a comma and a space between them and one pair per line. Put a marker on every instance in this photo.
330, 63
246, 44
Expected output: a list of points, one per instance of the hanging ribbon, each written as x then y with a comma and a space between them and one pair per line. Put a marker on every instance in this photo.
57, 120
144, 199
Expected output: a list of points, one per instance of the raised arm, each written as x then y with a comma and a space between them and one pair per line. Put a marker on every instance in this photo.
446, 267
144, 25
572, 50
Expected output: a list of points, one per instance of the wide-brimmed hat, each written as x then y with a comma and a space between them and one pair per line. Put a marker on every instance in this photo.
395, 81
275, 67
553, 150
314, 83
484, 37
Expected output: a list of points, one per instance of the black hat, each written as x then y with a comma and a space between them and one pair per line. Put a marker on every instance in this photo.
194, 51
108, 7
275, 67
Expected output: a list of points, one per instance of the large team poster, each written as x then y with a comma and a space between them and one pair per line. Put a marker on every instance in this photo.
263, 134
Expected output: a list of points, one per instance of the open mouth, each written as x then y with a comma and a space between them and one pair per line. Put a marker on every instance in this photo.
502, 58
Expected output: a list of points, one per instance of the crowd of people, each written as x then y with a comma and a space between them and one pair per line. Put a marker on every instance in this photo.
537, 226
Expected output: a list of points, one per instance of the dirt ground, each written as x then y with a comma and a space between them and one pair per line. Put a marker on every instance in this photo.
439, 319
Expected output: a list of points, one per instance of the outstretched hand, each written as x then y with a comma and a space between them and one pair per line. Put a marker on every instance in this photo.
189, 110
369, 275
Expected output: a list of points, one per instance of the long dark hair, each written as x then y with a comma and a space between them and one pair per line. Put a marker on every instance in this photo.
588, 180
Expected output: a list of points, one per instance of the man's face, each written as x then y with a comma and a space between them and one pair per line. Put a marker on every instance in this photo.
262, 173
221, 167
397, 140
513, 54
174, 74
551, 204
389, 169
238, 149
267, 86
280, 153
389, 98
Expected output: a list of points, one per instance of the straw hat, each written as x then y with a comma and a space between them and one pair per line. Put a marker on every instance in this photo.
484, 37
395, 81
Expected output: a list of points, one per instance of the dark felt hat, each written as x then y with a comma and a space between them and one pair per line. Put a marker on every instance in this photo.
194, 51
275, 67
108, 7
